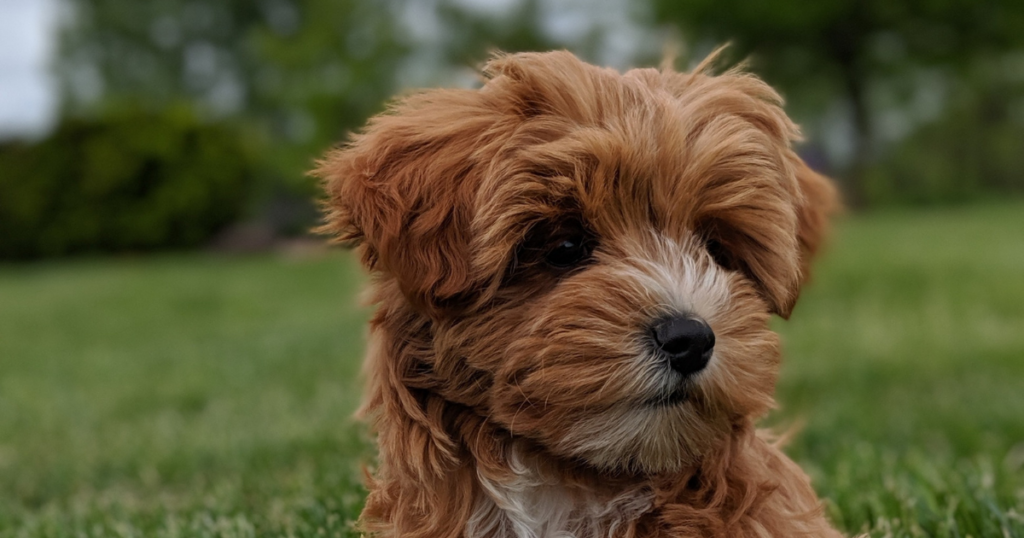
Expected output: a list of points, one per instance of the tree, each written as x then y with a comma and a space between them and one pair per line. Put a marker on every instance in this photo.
299, 73
846, 47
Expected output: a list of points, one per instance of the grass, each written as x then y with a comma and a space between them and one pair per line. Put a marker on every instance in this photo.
195, 395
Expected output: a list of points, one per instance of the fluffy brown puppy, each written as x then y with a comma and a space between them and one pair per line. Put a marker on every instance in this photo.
574, 270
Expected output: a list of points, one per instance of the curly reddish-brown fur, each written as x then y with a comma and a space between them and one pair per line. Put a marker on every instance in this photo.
514, 397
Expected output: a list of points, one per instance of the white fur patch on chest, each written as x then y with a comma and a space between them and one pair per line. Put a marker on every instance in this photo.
533, 506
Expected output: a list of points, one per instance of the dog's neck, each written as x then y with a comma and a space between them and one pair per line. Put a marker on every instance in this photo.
749, 489
531, 503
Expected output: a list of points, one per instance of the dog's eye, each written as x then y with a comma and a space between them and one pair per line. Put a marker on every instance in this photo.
569, 252
722, 256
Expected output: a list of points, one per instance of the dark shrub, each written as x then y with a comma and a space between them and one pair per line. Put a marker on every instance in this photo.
128, 182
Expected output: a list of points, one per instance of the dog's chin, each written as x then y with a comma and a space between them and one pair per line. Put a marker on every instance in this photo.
680, 395
664, 434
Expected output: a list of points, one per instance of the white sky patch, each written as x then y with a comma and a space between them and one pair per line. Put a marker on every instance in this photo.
571, 21
622, 39
28, 97
493, 8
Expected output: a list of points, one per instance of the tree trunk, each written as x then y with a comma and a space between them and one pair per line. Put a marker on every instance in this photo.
856, 93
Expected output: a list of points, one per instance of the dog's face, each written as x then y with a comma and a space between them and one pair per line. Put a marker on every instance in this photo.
584, 259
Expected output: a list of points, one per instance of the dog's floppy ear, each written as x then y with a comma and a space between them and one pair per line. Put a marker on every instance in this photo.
815, 201
819, 200
423, 487
402, 192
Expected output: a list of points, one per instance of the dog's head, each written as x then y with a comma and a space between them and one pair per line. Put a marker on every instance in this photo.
580, 258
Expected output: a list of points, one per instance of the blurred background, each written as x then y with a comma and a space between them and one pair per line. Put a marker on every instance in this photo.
134, 126
180, 357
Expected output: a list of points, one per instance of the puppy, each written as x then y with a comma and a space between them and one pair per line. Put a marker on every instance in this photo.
574, 271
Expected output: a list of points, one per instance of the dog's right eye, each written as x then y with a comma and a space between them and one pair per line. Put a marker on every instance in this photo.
569, 252
722, 255
552, 249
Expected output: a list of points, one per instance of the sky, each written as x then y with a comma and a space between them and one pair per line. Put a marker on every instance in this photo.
27, 97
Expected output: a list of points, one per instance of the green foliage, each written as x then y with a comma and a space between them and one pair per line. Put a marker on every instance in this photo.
132, 181
848, 52
971, 152
301, 72
203, 396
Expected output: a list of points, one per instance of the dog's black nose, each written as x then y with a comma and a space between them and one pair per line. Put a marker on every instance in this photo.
686, 341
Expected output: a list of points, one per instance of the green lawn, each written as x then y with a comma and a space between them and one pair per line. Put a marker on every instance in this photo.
196, 395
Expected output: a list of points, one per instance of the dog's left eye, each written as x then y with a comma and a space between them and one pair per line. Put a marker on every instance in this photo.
569, 252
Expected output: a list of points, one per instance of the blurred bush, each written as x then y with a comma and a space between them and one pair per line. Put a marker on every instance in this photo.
974, 151
130, 181
298, 73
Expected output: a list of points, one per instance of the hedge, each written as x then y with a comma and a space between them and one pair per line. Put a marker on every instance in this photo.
130, 181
